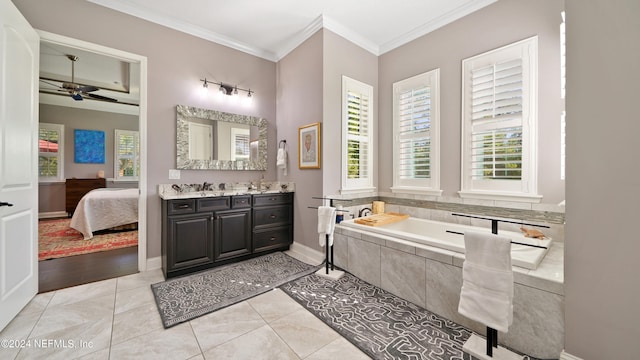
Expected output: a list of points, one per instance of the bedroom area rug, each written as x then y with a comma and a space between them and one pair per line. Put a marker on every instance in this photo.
56, 239
381, 324
184, 298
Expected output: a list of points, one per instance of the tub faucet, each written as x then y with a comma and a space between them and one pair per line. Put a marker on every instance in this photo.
364, 211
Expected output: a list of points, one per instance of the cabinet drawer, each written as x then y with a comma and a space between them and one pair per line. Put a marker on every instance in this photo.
270, 239
273, 215
272, 199
214, 203
184, 206
239, 202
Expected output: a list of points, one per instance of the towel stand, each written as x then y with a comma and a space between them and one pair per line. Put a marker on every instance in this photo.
329, 259
492, 334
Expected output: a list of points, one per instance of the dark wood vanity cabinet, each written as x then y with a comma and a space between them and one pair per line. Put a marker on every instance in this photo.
199, 233
233, 229
272, 221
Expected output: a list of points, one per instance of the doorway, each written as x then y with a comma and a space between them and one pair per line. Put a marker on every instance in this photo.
110, 263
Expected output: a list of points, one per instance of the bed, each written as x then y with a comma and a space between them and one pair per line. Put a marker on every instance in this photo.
105, 208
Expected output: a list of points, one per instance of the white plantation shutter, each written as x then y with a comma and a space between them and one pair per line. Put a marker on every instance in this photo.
416, 143
127, 157
50, 152
496, 120
499, 123
415, 134
357, 135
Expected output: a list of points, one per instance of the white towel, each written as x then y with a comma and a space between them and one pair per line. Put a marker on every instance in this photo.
487, 280
281, 159
326, 224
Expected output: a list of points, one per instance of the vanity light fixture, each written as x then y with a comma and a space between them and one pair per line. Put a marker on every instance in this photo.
227, 89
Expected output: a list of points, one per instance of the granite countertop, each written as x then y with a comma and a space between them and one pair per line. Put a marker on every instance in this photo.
191, 191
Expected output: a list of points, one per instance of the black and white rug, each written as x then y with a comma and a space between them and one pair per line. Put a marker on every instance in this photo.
185, 298
381, 324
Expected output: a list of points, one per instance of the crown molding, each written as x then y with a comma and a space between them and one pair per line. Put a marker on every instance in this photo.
301, 37
318, 23
440, 21
154, 17
351, 35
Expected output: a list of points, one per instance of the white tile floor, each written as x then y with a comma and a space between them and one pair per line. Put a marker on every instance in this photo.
118, 319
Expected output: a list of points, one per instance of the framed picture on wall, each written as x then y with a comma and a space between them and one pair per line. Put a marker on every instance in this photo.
309, 146
88, 146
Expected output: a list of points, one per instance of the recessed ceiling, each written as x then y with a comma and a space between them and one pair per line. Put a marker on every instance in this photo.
272, 28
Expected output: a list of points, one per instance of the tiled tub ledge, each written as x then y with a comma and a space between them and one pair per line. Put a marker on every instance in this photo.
432, 278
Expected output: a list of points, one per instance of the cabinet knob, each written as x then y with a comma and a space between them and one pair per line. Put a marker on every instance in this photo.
273, 238
272, 216
183, 206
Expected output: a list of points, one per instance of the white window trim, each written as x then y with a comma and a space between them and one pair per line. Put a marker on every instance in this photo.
428, 186
60, 178
363, 185
526, 189
116, 156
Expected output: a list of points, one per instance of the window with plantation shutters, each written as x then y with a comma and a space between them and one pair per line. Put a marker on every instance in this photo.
50, 152
127, 155
416, 123
357, 135
499, 123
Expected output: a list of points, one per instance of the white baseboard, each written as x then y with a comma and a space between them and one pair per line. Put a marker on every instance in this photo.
52, 214
566, 356
154, 263
315, 257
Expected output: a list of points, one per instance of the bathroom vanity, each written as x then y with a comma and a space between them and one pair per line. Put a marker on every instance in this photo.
200, 232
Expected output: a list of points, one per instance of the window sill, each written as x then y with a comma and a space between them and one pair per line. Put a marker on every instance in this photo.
501, 196
51, 182
415, 191
123, 180
361, 191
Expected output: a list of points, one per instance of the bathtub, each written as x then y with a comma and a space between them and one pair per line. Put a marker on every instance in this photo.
434, 233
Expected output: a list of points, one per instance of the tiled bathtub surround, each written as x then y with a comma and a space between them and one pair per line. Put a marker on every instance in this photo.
432, 278
442, 208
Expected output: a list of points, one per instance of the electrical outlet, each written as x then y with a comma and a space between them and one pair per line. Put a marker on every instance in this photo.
174, 174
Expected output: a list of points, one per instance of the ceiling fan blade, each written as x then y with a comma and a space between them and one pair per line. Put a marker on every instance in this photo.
49, 83
100, 97
87, 88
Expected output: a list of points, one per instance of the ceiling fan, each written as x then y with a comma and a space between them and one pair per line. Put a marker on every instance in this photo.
77, 91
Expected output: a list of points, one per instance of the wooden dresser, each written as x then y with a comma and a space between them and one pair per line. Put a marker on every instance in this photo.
76, 188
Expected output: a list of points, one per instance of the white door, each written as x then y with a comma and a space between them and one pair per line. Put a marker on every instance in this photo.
19, 63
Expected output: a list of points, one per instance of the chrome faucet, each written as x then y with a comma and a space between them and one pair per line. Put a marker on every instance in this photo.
363, 211
251, 186
206, 186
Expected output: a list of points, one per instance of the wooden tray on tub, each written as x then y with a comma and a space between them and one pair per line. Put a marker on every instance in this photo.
381, 219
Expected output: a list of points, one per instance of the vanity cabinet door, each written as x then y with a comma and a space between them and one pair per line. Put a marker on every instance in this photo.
232, 234
189, 242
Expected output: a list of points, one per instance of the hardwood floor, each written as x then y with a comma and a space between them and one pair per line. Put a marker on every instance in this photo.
54, 274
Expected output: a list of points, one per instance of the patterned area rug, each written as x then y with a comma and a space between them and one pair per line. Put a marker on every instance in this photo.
185, 298
381, 324
56, 239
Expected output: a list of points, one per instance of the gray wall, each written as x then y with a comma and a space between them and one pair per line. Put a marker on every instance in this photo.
73, 119
602, 287
176, 63
300, 103
51, 197
496, 25
342, 57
